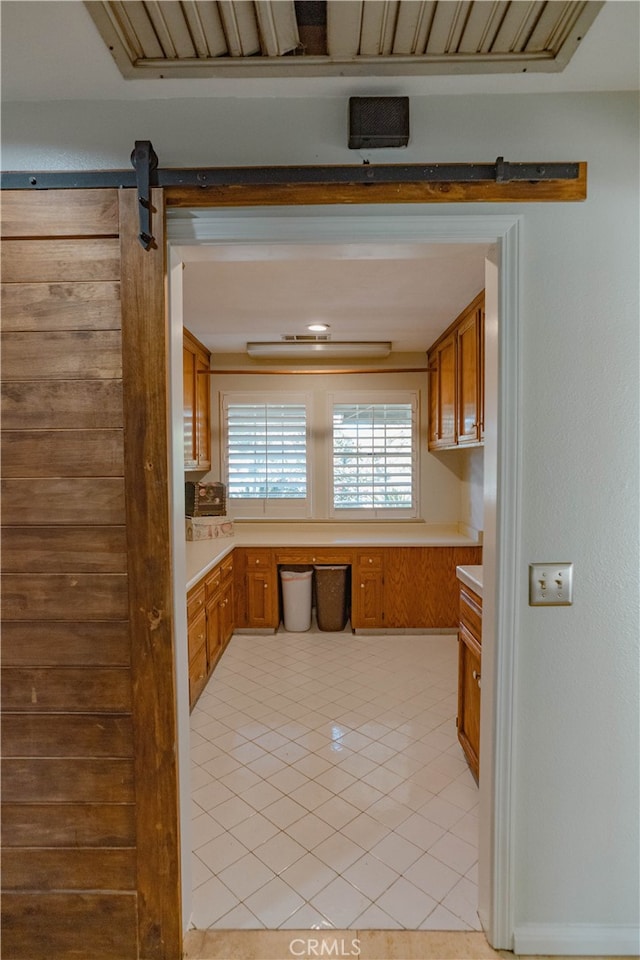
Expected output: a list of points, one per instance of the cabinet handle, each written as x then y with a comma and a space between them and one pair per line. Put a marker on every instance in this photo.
362, 586
370, 560
266, 586
476, 676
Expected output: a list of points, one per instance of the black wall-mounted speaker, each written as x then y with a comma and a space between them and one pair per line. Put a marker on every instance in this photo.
378, 122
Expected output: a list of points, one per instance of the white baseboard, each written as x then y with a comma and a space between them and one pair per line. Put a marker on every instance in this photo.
577, 939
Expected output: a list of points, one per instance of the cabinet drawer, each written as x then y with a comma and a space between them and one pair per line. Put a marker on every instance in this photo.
369, 560
471, 612
259, 559
197, 675
226, 567
195, 601
197, 633
309, 556
212, 582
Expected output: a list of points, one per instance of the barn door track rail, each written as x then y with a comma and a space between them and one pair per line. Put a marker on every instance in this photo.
412, 182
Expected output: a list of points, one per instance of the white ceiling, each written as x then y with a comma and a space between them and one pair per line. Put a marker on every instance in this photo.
406, 293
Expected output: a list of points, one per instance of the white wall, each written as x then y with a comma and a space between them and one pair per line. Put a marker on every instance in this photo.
576, 783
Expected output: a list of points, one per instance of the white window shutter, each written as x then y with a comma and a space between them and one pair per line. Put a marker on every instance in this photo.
374, 456
266, 450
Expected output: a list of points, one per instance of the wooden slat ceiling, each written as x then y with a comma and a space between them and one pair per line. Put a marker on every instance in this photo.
195, 38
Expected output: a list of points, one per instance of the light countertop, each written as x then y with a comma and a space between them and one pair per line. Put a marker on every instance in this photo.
471, 575
202, 555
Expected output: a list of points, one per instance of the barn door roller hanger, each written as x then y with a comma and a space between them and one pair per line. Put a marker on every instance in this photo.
146, 174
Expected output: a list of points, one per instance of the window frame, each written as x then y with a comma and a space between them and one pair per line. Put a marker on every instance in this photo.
254, 508
376, 397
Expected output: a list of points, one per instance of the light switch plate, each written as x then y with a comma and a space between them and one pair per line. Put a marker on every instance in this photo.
550, 584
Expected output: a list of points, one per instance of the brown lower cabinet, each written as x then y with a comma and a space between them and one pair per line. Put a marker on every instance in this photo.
368, 607
210, 623
256, 594
421, 587
469, 676
391, 587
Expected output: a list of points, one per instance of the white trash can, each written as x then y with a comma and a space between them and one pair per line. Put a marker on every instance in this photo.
296, 599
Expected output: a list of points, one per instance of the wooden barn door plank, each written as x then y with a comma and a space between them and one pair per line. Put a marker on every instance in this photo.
89, 783
146, 404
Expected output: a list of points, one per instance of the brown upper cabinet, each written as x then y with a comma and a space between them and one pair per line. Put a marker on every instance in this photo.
456, 381
196, 363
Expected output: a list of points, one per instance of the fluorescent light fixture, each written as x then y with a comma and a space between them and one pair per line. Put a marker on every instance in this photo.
284, 350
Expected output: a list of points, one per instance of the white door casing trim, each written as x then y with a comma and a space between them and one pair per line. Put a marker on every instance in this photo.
187, 235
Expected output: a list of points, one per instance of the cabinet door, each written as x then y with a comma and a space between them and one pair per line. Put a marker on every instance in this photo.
197, 644
420, 585
442, 393
226, 615
262, 602
189, 405
367, 599
196, 404
468, 378
202, 413
469, 669
214, 633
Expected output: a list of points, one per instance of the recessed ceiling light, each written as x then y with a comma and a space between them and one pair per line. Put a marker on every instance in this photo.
318, 327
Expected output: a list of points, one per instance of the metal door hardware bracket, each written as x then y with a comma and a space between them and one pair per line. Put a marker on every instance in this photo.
144, 161
145, 164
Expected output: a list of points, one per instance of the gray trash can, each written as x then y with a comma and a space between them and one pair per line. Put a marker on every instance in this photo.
296, 599
331, 597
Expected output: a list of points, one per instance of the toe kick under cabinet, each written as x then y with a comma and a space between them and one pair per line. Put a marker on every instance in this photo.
469, 676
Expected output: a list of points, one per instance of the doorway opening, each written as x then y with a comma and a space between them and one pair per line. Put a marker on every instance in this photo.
188, 239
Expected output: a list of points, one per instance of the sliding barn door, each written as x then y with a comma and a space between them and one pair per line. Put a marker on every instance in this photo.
90, 828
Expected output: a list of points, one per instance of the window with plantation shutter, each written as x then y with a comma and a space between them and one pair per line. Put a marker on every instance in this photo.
266, 456
375, 457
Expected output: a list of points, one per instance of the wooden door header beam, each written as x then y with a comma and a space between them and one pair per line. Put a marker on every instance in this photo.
362, 183
352, 184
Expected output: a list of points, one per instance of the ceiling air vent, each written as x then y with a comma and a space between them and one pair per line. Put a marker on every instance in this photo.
240, 38
305, 337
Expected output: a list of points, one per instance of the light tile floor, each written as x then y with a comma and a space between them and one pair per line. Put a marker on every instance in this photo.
329, 789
